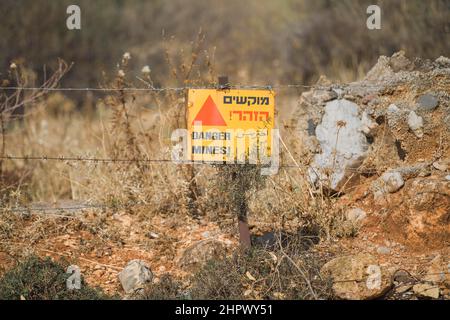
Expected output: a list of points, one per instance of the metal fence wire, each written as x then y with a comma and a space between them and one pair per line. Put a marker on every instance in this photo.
71, 158
183, 88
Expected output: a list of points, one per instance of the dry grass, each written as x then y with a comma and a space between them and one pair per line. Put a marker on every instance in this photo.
285, 272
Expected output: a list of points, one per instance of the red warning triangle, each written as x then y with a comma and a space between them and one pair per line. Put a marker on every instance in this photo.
209, 115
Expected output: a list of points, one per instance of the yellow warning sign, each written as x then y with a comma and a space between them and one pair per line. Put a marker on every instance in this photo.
230, 125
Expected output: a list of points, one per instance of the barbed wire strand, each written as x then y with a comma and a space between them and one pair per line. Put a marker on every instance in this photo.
168, 161
182, 88
30, 209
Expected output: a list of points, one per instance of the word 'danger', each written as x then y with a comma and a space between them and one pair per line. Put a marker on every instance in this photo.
230, 125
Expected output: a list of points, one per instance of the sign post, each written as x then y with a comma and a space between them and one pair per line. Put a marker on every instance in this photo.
230, 126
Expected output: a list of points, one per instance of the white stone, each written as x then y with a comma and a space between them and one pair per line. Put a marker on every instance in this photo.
153, 235
443, 61
383, 250
367, 125
206, 234
393, 181
342, 143
356, 215
393, 108
389, 182
415, 123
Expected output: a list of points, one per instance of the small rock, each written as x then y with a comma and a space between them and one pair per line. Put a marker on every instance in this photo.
433, 196
426, 290
383, 250
398, 62
311, 127
356, 215
338, 92
393, 181
415, 123
393, 108
427, 102
441, 166
402, 276
153, 235
393, 115
206, 234
447, 177
162, 269
135, 275
367, 125
357, 277
325, 95
368, 98
437, 272
403, 288
200, 252
443, 61
349, 97
319, 96
380, 71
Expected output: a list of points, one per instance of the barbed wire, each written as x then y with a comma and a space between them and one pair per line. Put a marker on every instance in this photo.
182, 88
148, 160
73, 207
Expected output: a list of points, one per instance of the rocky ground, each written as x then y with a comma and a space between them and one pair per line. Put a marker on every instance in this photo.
383, 144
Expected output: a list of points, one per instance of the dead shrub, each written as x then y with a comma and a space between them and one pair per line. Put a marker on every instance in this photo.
165, 289
261, 274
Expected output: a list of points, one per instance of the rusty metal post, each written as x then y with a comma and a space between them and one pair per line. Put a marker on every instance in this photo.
244, 234
223, 82
244, 231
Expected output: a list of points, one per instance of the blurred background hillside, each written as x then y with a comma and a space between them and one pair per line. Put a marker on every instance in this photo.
252, 41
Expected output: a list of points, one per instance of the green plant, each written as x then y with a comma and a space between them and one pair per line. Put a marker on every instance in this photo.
43, 279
